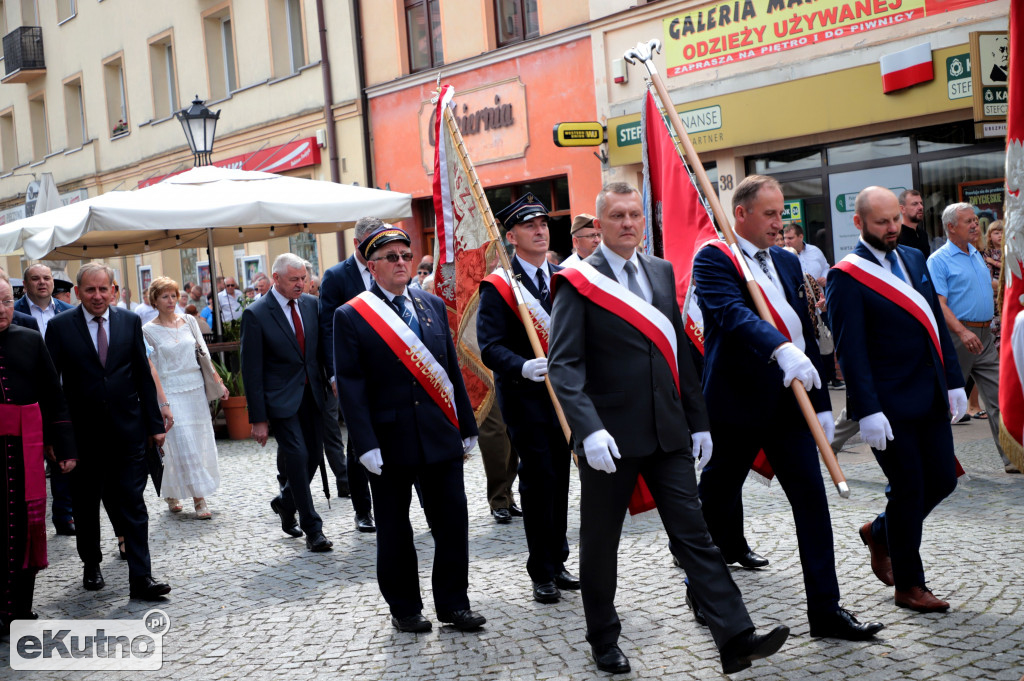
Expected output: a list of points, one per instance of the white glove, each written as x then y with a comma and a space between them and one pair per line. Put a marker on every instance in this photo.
795, 365
701, 448
828, 424
468, 444
957, 403
599, 448
535, 369
371, 461
875, 430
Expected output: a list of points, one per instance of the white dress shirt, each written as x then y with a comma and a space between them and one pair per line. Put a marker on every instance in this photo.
283, 302
94, 327
230, 308
42, 315
531, 272
618, 265
407, 303
750, 250
364, 272
813, 262
880, 256
146, 312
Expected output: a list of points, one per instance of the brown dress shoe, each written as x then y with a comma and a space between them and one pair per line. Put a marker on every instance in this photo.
881, 564
921, 599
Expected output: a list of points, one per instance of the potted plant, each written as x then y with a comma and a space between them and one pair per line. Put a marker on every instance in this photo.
236, 411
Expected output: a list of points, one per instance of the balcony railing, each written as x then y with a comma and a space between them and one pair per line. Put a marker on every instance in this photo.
23, 55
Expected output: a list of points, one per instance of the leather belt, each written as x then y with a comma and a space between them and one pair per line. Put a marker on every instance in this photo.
977, 325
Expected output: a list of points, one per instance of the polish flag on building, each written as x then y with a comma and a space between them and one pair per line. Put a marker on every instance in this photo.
907, 67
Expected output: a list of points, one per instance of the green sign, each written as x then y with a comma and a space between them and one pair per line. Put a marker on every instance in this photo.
628, 134
793, 211
958, 77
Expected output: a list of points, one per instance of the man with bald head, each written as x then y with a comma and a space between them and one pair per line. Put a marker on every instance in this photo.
903, 380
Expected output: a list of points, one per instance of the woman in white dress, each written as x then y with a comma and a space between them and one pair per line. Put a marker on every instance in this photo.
190, 451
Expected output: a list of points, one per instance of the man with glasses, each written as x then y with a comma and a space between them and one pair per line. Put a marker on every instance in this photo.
230, 301
585, 238
410, 420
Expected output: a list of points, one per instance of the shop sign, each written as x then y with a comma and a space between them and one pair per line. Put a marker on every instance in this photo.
721, 33
297, 154
986, 130
793, 211
491, 118
694, 121
588, 134
958, 76
986, 197
843, 190
990, 51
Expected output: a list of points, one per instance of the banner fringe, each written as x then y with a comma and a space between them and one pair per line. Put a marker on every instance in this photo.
1011, 447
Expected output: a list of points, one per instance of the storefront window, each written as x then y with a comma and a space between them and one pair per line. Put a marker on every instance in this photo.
942, 182
423, 27
517, 20
785, 161
868, 150
304, 246
944, 137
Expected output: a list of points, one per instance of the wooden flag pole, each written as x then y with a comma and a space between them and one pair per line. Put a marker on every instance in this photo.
644, 53
495, 235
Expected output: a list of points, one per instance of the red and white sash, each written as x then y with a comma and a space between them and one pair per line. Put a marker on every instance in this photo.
407, 346
785, 317
540, 317
623, 303
885, 283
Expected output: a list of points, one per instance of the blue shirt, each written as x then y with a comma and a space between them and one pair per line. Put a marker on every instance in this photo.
207, 314
964, 279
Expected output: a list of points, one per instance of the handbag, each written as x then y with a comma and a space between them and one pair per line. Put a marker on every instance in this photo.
211, 382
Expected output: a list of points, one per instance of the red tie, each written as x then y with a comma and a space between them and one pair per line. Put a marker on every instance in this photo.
300, 336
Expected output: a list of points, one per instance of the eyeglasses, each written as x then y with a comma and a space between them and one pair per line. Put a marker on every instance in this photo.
592, 235
393, 257
230, 285
423, 272
7, 303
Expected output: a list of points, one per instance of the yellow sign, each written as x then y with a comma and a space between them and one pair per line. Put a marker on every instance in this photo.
729, 31
589, 134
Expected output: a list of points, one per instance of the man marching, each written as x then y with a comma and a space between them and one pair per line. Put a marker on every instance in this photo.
533, 427
749, 367
623, 375
409, 419
903, 379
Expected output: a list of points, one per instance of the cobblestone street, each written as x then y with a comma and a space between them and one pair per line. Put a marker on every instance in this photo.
250, 602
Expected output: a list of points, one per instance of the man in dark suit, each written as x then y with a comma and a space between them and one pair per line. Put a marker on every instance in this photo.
340, 284
39, 304
100, 356
537, 437
410, 419
903, 378
281, 369
749, 365
633, 395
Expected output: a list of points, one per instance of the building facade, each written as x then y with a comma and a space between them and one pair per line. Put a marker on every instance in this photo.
90, 90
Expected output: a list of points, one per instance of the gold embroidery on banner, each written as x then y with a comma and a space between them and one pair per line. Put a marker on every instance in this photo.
433, 374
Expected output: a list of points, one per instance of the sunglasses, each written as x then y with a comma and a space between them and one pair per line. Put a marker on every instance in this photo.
393, 257
230, 285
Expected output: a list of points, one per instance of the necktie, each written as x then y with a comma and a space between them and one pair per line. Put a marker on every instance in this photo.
542, 287
631, 280
762, 260
407, 316
300, 335
101, 341
895, 266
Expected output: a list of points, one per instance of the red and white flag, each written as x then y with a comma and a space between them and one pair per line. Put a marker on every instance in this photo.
1011, 360
907, 67
675, 209
463, 254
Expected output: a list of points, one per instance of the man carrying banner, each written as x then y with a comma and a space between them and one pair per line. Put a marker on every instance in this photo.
623, 375
533, 426
904, 378
409, 419
749, 365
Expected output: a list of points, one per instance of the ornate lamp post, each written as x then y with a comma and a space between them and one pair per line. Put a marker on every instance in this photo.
200, 126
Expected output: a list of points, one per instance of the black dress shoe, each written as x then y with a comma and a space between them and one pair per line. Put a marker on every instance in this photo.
564, 580
842, 624
289, 525
463, 620
739, 651
364, 522
698, 614
343, 489
147, 589
318, 543
515, 511
411, 623
749, 560
65, 529
92, 577
502, 516
546, 592
610, 658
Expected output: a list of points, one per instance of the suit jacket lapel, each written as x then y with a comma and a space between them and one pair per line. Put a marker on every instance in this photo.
278, 316
864, 252
599, 263
355, 274
83, 329
662, 292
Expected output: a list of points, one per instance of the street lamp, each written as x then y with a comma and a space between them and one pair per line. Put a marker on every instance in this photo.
200, 126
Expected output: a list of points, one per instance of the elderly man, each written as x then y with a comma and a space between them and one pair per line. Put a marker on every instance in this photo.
261, 283
39, 302
33, 417
904, 380
230, 301
280, 352
402, 395
624, 377
585, 238
100, 356
912, 231
964, 284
